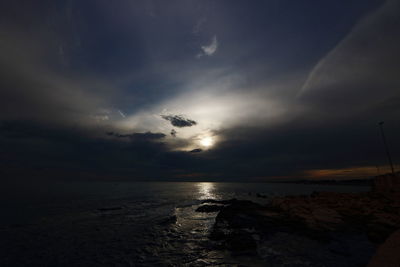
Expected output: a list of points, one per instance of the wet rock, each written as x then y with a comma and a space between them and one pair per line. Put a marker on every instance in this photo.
209, 208
222, 202
241, 242
331, 220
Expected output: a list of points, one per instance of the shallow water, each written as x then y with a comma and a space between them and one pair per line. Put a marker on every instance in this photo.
123, 224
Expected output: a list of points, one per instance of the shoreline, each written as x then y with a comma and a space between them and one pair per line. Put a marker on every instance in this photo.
342, 229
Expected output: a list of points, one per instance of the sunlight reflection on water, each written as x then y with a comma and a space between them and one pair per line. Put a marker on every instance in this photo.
206, 190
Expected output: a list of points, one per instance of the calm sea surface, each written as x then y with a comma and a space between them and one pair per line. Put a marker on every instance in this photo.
121, 223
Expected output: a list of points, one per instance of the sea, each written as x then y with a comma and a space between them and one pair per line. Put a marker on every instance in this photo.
125, 223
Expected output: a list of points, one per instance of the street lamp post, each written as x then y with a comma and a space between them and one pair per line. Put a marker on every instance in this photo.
386, 146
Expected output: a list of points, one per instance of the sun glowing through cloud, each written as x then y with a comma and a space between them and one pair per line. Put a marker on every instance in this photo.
207, 141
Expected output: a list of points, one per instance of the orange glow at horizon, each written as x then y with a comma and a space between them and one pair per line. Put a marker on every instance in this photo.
345, 173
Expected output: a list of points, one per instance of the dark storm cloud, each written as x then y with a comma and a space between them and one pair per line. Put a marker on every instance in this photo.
288, 151
245, 154
139, 136
30, 148
179, 120
66, 67
10, 129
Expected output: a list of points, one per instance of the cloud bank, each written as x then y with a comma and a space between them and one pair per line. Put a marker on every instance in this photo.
282, 98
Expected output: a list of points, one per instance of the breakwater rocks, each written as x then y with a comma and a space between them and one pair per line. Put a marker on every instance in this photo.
322, 229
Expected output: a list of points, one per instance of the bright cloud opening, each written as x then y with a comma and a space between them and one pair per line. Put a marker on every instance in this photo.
207, 141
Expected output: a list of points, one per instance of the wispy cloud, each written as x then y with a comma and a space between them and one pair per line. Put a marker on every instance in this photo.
209, 50
351, 68
121, 113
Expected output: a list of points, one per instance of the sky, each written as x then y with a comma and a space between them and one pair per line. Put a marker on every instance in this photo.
198, 90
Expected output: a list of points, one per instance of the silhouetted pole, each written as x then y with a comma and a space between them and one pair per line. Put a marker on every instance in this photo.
386, 146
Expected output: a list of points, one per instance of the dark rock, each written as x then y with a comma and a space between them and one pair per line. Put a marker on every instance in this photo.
241, 213
388, 253
322, 218
222, 202
209, 208
242, 242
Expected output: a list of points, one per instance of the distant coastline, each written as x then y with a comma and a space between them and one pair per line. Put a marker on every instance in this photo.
360, 182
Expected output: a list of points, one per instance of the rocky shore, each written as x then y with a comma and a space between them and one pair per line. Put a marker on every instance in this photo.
321, 229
